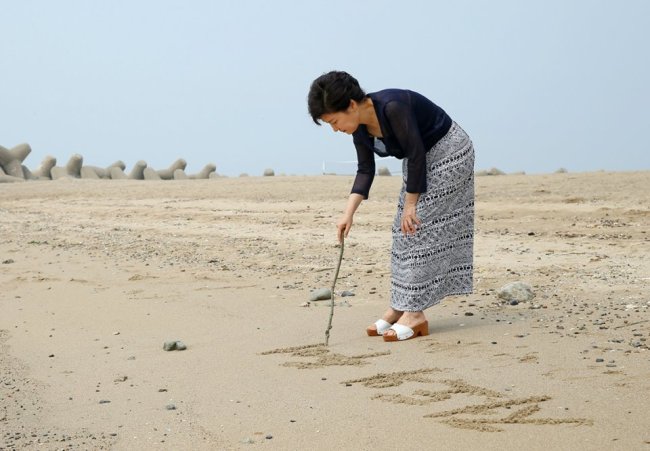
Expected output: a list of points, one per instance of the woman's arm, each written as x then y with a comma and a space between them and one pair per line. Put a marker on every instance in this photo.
344, 224
409, 219
404, 125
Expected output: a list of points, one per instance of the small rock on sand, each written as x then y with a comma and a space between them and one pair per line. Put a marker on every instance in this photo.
516, 291
320, 295
180, 346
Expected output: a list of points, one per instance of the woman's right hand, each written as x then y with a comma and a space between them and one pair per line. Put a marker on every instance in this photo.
343, 227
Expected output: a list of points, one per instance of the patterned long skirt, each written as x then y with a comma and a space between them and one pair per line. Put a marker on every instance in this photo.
437, 261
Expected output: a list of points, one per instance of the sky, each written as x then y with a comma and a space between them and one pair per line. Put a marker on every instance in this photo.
538, 85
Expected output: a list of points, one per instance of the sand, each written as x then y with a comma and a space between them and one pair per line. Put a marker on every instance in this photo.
96, 275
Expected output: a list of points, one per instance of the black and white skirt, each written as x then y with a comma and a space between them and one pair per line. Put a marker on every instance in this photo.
437, 261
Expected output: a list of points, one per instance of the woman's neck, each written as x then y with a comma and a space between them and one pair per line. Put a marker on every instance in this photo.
367, 114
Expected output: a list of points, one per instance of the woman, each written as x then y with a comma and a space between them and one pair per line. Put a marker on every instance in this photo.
433, 230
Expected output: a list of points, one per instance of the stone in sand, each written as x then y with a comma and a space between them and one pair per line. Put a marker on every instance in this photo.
516, 291
43, 171
320, 295
180, 346
269, 172
11, 160
168, 174
179, 174
169, 345
205, 173
137, 173
150, 174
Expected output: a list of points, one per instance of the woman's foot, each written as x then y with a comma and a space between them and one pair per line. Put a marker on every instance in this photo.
390, 316
416, 321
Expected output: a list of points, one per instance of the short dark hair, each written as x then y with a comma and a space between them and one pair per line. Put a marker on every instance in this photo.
331, 93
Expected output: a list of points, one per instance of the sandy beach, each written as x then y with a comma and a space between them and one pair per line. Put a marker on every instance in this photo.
96, 275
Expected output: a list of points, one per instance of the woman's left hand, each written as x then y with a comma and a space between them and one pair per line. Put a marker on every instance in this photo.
410, 221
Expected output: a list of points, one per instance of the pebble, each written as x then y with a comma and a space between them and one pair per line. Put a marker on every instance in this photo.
8, 261
514, 302
346, 293
320, 294
469, 314
104, 401
180, 346
248, 441
174, 345
170, 407
518, 291
269, 437
600, 360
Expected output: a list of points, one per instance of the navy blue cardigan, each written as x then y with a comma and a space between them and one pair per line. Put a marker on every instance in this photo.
410, 124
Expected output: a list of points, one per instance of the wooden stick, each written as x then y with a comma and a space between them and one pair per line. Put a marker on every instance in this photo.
336, 275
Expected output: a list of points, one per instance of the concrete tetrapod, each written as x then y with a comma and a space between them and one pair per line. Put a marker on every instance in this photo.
168, 174
11, 161
72, 169
205, 172
150, 174
137, 173
43, 171
4, 178
179, 174
117, 173
105, 173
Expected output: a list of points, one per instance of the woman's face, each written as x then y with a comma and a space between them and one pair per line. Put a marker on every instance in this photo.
344, 121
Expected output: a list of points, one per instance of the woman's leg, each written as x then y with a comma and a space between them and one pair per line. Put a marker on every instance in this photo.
391, 316
408, 319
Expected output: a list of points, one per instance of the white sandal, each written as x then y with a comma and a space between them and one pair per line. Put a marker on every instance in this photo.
381, 326
405, 333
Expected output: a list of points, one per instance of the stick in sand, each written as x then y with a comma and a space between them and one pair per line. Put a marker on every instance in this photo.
336, 276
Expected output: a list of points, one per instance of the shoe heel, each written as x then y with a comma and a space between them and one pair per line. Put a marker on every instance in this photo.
423, 329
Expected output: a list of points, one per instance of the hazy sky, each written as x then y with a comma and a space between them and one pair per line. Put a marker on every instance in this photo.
538, 85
